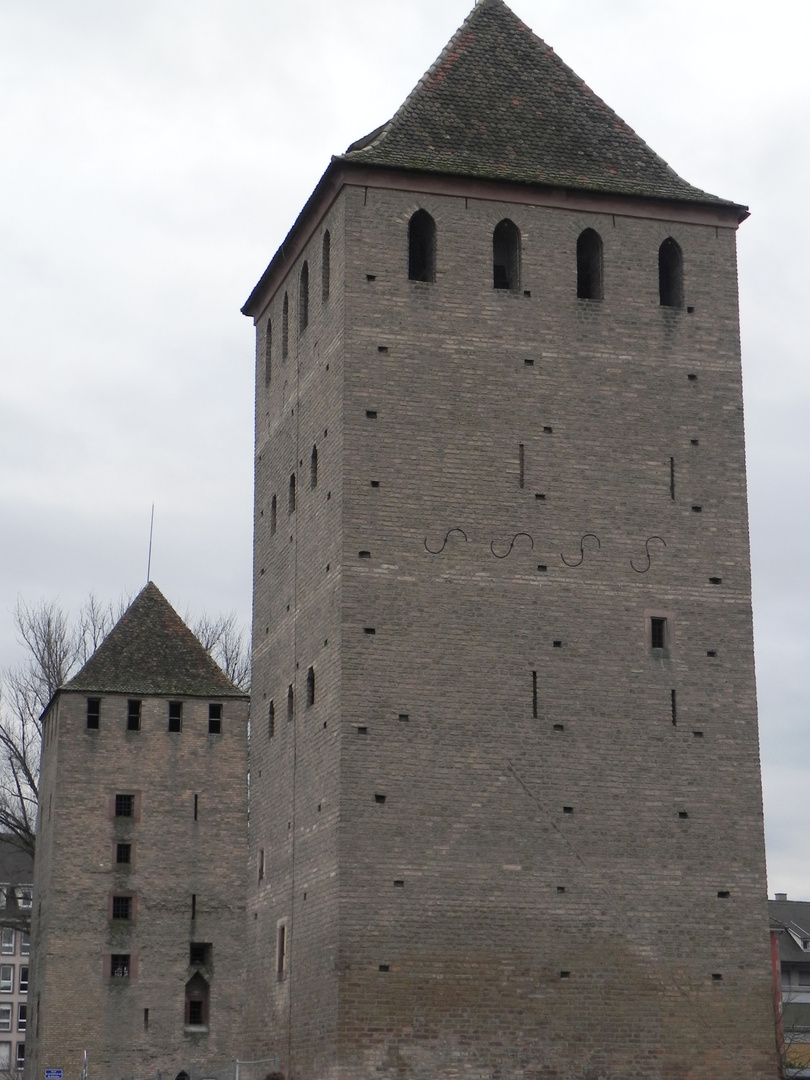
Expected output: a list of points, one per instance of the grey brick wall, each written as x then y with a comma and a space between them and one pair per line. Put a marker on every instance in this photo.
469, 924
174, 856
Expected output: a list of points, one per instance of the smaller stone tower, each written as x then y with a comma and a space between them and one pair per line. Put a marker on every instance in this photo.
139, 878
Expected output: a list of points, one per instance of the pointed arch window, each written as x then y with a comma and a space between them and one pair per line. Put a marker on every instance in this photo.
326, 266
589, 265
197, 994
285, 327
303, 298
313, 468
670, 274
506, 256
422, 247
291, 504
268, 353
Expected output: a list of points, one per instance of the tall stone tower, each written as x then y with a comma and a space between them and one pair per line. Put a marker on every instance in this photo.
139, 877
506, 816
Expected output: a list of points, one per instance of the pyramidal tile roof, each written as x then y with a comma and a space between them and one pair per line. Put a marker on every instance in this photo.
500, 104
150, 650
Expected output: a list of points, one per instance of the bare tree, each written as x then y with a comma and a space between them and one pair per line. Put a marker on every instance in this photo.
57, 647
224, 640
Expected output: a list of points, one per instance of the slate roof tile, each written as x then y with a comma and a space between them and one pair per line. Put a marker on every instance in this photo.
500, 104
151, 651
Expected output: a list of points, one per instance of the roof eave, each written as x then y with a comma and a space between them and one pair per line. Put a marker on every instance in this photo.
340, 167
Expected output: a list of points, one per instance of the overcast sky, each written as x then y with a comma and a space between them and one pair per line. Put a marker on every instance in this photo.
153, 154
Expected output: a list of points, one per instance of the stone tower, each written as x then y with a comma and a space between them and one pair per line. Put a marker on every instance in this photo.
506, 816
139, 878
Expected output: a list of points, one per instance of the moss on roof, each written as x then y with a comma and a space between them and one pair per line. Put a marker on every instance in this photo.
500, 104
151, 651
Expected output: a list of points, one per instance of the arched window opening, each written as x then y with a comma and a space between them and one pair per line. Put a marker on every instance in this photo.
271, 720
326, 266
422, 247
589, 265
303, 298
290, 703
197, 993
273, 515
310, 687
285, 328
291, 506
313, 468
670, 274
268, 349
506, 256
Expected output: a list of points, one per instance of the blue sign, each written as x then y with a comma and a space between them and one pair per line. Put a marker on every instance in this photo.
53, 1074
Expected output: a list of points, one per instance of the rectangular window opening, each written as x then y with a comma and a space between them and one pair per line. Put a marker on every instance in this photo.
122, 907
658, 632
93, 713
145, 1019
214, 719
133, 715
123, 854
8, 941
199, 953
125, 806
175, 716
120, 965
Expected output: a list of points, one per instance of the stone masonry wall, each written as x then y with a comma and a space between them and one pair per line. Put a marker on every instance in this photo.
296, 626
174, 855
513, 851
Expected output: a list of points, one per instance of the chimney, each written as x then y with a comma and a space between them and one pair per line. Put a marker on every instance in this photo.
780, 896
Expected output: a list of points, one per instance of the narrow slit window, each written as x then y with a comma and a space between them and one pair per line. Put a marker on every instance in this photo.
311, 687
273, 515
658, 633
281, 951
175, 716
261, 864
133, 715
674, 705
271, 720
313, 468
672, 477
290, 703
534, 694
670, 274
291, 501
93, 713
285, 328
521, 464
506, 256
303, 298
196, 805
326, 266
268, 353
589, 265
422, 247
